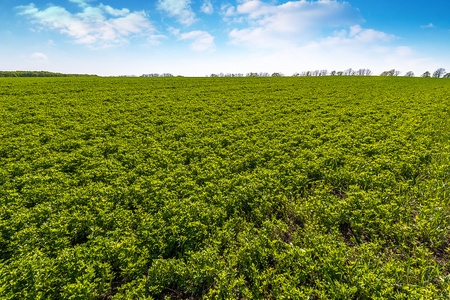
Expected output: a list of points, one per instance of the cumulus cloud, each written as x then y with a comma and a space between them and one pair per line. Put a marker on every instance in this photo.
227, 10
355, 47
368, 35
181, 9
272, 25
201, 40
207, 7
96, 26
81, 3
39, 56
430, 25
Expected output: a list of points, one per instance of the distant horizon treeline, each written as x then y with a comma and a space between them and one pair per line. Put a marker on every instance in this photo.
39, 74
439, 73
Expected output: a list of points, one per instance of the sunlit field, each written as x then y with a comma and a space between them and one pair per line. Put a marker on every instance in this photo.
225, 188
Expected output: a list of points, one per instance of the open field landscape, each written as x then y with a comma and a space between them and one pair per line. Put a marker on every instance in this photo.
225, 188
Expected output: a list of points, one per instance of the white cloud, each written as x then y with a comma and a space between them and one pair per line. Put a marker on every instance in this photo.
201, 40
39, 56
230, 15
430, 25
207, 7
181, 9
95, 26
228, 10
369, 35
289, 23
115, 12
354, 48
81, 3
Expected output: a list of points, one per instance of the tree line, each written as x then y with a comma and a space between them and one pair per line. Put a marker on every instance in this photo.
439, 73
38, 74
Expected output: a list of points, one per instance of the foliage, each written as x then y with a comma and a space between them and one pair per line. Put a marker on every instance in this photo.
439, 73
392, 72
39, 74
224, 188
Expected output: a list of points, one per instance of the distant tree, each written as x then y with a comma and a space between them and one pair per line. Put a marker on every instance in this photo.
308, 73
276, 75
426, 74
409, 74
323, 73
348, 72
446, 75
392, 72
296, 74
363, 72
333, 73
438, 73
340, 73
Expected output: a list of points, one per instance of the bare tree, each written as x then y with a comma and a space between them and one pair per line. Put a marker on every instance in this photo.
438, 73
348, 72
409, 74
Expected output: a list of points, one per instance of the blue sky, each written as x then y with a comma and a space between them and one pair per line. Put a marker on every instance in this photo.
197, 38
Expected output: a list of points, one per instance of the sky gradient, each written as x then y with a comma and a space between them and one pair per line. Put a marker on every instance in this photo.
197, 38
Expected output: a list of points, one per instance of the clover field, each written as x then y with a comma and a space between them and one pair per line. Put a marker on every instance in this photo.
225, 188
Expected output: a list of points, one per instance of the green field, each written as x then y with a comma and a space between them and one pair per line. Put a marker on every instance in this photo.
225, 188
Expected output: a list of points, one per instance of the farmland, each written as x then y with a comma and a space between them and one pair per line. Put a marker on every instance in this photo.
225, 188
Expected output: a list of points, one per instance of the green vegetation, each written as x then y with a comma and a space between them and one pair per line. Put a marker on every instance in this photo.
225, 188
39, 74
